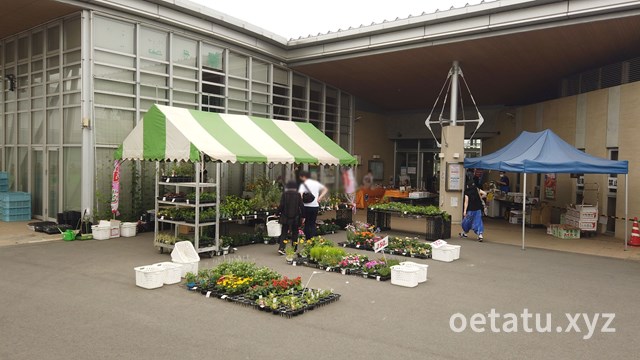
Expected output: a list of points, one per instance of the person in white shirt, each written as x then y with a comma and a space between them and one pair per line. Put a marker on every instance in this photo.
318, 191
367, 180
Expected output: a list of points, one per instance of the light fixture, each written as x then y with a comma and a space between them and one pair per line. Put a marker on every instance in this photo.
11, 79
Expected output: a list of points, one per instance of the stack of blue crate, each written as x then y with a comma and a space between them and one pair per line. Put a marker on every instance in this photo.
4, 182
15, 206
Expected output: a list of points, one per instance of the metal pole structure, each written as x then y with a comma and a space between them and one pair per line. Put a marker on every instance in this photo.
455, 69
626, 210
524, 207
218, 170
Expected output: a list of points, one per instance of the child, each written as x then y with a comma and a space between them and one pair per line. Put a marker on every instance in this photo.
290, 209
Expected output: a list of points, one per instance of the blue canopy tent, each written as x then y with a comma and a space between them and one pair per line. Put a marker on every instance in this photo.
546, 152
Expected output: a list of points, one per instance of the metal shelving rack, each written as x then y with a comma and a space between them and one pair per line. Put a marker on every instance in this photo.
198, 186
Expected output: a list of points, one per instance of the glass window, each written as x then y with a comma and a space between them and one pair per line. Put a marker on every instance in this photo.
115, 59
153, 44
53, 126
212, 57
280, 76
23, 48
10, 167
37, 43
260, 70
71, 35
23, 169
114, 86
72, 132
10, 135
23, 128
72, 177
53, 38
113, 125
72, 57
238, 65
114, 35
37, 126
185, 51
10, 52
108, 72
114, 100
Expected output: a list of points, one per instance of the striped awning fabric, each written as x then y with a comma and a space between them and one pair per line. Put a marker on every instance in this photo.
171, 133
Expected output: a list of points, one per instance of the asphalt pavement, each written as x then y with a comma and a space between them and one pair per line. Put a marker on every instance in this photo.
78, 300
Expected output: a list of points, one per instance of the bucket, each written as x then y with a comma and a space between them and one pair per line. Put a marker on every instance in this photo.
69, 235
274, 228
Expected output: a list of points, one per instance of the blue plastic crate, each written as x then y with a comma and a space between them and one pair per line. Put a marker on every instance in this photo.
15, 211
15, 200
4, 175
11, 218
4, 188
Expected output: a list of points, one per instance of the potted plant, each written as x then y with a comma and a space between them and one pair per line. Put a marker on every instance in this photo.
190, 280
225, 244
290, 254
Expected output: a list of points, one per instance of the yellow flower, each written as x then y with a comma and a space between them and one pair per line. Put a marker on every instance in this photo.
286, 241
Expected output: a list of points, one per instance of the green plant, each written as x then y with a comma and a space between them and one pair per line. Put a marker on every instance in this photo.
190, 278
226, 241
234, 206
183, 169
266, 194
166, 238
290, 251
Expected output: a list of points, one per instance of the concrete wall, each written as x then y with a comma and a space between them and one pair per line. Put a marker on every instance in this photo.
371, 139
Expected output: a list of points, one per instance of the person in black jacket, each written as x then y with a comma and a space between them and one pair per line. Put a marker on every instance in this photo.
291, 209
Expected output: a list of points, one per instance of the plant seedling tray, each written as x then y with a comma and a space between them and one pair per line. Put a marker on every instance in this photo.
368, 248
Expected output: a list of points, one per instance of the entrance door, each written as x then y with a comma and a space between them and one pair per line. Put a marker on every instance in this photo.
52, 183
37, 183
427, 171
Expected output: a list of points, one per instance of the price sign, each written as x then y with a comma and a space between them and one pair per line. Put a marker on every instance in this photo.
381, 244
438, 243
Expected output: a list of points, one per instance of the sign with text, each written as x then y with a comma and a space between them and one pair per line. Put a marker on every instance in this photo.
381, 244
438, 243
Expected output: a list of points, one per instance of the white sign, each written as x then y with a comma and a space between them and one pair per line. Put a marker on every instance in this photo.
438, 244
381, 244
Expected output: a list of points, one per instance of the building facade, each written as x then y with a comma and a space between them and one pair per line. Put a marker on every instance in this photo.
75, 87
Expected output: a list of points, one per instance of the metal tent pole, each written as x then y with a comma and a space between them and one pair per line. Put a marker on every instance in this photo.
524, 207
455, 69
626, 210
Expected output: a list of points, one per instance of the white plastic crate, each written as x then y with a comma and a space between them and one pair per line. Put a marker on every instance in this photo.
406, 276
150, 277
101, 232
128, 229
115, 228
584, 225
582, 212
446, 253
422, 275
187, 267
172, 272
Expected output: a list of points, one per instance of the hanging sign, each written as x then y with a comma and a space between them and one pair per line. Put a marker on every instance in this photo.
115, 188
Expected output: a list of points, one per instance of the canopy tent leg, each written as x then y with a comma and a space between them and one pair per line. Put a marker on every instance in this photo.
218, 170
626, 210
524, 207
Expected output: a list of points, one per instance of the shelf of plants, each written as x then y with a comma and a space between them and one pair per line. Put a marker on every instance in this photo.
438, 222
322, 254
261, 288
196, 209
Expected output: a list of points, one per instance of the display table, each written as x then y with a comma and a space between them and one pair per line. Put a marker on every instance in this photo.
431, 199
436, 226
394, 193
366, 197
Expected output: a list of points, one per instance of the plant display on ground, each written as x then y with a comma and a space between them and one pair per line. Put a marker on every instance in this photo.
411, 209
361, 234
260, 287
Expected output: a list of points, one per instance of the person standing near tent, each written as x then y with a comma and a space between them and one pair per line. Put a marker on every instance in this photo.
504, 182
312, 192
290, 209
473, 209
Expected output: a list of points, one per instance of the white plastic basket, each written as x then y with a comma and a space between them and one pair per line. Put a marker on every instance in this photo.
446, 253
128, 229
172, 272
101, 232
150, 277
191, 267
422, 275
406, 276
274, 228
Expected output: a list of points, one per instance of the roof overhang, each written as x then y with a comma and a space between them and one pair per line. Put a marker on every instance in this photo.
20, 15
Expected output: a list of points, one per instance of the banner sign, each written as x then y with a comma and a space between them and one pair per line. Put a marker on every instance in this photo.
115, 187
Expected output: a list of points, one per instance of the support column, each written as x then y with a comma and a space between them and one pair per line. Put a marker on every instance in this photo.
452, 152
86, 108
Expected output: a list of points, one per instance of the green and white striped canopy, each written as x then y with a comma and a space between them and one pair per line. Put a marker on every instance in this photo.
171, 133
